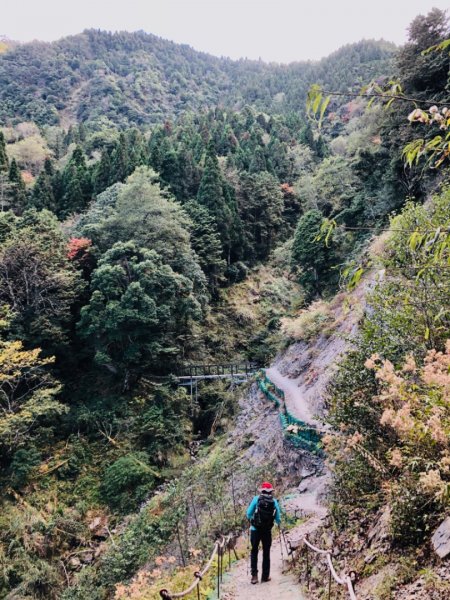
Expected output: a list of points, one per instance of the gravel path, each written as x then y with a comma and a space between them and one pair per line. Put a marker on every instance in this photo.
283, 586
294, 398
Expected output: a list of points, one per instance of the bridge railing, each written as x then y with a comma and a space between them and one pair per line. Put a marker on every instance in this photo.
218, 369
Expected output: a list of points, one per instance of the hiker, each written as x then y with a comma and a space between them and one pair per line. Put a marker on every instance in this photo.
263, 511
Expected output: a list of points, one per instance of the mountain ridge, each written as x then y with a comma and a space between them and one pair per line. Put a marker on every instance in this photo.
140, 79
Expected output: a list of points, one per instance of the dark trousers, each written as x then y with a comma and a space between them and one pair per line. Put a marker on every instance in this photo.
265, 537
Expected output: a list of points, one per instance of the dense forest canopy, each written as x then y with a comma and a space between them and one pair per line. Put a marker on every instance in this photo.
146, 190
139, 79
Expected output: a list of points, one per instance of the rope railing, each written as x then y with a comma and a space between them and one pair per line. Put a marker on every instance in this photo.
299, 433
346, 580
220, 547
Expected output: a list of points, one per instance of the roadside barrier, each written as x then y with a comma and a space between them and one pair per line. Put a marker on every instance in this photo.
299, 433
225, 544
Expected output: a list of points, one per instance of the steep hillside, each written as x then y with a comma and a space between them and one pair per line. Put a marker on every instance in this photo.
131, 251
138, 78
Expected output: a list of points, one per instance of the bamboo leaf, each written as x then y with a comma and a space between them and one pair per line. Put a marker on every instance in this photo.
323, 108
316, 103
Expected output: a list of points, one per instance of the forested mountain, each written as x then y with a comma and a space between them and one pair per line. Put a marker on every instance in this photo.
160, 206
138, 78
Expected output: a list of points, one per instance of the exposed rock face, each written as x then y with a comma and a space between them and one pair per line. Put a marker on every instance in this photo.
379, 534
99, 527
441, 539
310, 366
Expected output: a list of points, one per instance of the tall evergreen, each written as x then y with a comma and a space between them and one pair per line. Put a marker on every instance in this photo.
73, 199
43, 194
4, 163
18, 191
306, 135
156, 148
137, 155
77, 185
120, 165
205, 240
261, 205
210, 195
102, 173
188, 176
257, 161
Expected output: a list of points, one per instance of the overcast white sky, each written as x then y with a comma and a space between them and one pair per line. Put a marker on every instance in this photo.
275, 30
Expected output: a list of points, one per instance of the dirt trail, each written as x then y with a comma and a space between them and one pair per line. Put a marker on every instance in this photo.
283, 586
306, 368
294, 399
303, 372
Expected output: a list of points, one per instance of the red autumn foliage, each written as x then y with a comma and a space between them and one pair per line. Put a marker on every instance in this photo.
78, 248
287, 189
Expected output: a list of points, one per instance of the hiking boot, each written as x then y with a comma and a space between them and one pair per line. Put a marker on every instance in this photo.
254, 579
265, 579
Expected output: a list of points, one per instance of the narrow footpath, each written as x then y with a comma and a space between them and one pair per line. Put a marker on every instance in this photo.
304, 500
283, 586
294, 399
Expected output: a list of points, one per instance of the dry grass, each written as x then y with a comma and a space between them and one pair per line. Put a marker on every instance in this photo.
310, 323
377, 247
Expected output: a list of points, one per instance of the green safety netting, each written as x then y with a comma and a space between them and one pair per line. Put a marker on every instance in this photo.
297, 432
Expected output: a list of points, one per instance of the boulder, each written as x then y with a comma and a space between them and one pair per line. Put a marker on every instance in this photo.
74, 563
99, 527
441, 539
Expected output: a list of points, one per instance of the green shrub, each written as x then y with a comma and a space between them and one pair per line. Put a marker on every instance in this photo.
413, 514
127, 481
22, 465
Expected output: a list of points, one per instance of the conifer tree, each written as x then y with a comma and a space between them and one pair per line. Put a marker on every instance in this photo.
257, 161
136, 150
205, 241
76, 182
261, 205
321, 147
43, 195
211, 195
156, 148
120, 162
306, 136
73, 200
18, 191
102, 173
4, 163
187, 183
48, 167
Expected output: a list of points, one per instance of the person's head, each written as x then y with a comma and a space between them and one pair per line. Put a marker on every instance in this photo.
266, 488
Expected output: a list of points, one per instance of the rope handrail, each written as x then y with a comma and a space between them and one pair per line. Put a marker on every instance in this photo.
345, 580
219, 546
